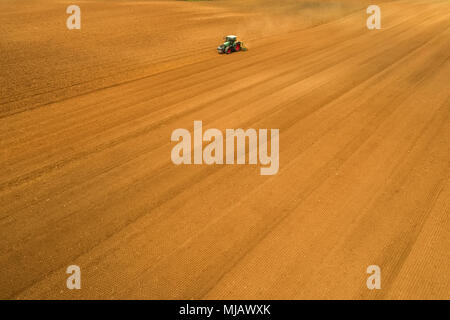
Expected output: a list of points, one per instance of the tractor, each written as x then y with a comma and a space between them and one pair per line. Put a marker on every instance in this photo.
230, 45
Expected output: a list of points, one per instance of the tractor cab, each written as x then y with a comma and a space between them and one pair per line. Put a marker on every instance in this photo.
231, 39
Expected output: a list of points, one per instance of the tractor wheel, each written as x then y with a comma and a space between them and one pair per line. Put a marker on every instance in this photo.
228, 50
237, 47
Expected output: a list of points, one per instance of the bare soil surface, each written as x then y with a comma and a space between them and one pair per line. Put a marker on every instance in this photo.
87, 179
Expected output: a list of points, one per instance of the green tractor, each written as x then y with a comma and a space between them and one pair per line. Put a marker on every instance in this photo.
230, 45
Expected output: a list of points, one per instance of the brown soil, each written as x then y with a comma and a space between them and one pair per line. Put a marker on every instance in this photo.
85, 124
